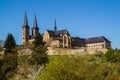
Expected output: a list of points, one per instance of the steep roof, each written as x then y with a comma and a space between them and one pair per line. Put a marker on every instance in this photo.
76, 41
61, 32
35, 22
25, 21
96, 39
51, 33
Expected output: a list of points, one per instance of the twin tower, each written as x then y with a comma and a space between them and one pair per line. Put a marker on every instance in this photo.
26, 37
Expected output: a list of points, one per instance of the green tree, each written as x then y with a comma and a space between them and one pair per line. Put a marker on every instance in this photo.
9, 43
112, 56
9, 61
38, 40
38, 55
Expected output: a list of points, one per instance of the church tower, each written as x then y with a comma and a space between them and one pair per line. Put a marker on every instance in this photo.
25, 31
35, 29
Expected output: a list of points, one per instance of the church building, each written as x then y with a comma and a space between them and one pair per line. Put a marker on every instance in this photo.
57, 38
61, 38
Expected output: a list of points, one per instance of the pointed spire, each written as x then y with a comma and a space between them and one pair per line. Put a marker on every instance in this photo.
55, 22
35, 22
55, 27
25, 20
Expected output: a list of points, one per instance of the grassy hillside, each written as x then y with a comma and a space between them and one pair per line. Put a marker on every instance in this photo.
88, 67
67, 67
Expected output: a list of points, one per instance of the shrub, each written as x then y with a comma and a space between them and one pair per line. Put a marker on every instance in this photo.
112, 56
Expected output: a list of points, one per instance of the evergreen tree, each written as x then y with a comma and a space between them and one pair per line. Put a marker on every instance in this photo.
9, 43
38, 40
38, 55
9, 61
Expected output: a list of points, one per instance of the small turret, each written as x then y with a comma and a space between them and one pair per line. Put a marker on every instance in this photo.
55, 27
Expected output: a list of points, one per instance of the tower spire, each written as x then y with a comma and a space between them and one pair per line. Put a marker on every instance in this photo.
35, 29
25, 20
25, 31
55, 27
35, 22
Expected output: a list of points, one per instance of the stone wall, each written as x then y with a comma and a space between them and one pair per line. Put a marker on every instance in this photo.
65, 51
82, 51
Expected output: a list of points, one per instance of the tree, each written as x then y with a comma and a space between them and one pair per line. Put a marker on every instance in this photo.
39, 55
38, 40
9, 61
112, 56
30, 66
9, 43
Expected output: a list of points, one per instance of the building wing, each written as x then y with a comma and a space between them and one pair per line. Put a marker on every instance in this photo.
96, 40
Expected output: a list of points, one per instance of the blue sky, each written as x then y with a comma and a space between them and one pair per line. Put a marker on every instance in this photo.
83, 18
